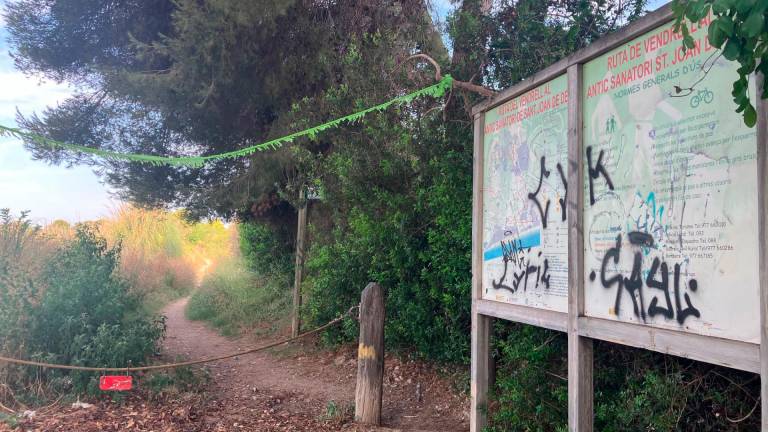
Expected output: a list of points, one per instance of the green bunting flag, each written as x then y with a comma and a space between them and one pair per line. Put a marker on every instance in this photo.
434, 91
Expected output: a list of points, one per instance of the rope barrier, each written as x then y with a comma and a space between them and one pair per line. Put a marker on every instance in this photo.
435, 91
180, 364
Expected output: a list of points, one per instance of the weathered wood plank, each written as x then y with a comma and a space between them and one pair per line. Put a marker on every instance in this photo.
370, 356
723, 352
477, 208
481, 325
479, 373
762, 211
523, 314
580, 352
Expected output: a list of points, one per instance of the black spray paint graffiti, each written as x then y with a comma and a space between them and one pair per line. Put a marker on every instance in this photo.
519, 258
634, 283
533, 196
522, 270
595, 172
657, 276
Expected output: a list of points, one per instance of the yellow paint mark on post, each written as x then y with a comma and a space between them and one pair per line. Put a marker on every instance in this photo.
365, 352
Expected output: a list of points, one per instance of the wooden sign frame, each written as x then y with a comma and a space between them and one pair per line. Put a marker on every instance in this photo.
581, 329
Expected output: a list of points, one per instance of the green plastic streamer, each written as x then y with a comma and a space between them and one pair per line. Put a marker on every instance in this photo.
435, 91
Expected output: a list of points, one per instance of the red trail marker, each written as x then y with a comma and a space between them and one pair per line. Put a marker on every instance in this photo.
115, 383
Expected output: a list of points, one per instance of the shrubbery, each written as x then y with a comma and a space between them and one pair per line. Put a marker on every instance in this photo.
635, 390
264, 250
420, 257
63, 301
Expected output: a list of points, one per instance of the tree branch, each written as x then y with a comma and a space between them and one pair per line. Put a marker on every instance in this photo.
464, 85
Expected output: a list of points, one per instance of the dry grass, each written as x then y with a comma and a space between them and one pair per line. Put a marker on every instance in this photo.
163, 255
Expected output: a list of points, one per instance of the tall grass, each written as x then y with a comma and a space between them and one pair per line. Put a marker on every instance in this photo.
235, 299
163, 255
22, 254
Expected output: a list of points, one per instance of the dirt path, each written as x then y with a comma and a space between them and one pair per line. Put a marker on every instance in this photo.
294, 389
263, 371
309, 382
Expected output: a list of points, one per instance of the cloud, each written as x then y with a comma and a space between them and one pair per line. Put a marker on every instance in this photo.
50, 192
28, 94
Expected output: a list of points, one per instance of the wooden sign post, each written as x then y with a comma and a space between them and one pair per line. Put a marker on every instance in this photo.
301, 233
762, 188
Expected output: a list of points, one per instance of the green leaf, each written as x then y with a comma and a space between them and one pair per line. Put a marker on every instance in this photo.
753, 25
692, 10
721, 6
715, 35
750, 115
744, 6
726, 25
688, 42
739, 86
732, 49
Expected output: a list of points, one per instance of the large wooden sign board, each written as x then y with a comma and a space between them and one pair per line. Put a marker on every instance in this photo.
613, 206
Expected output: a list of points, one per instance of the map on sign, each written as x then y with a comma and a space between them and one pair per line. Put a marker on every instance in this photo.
670, 211
525, 235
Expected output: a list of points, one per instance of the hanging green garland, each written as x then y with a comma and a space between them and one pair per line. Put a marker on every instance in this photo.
435, 91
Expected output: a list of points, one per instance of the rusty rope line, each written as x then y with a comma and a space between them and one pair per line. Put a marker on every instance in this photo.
180, 364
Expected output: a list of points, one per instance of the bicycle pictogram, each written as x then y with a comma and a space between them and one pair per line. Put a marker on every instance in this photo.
704, 95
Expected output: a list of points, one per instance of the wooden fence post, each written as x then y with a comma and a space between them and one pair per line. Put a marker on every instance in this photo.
370, 356
299, 270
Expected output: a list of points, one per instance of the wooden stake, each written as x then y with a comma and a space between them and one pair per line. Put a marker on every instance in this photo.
370, 356
299, 270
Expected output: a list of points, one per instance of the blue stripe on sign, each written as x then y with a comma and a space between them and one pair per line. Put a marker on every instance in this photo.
527, 240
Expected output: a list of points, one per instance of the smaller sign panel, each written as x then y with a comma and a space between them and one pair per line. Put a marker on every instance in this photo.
525, 234
116, 383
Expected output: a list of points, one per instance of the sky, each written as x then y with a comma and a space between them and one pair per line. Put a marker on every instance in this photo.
48, 192
56, 192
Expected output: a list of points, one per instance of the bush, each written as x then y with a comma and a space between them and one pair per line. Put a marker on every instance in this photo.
417, 245
88, 315
75, 310
635, 390
264, 250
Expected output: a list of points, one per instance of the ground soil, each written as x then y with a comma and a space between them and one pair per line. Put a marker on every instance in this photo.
295, 388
